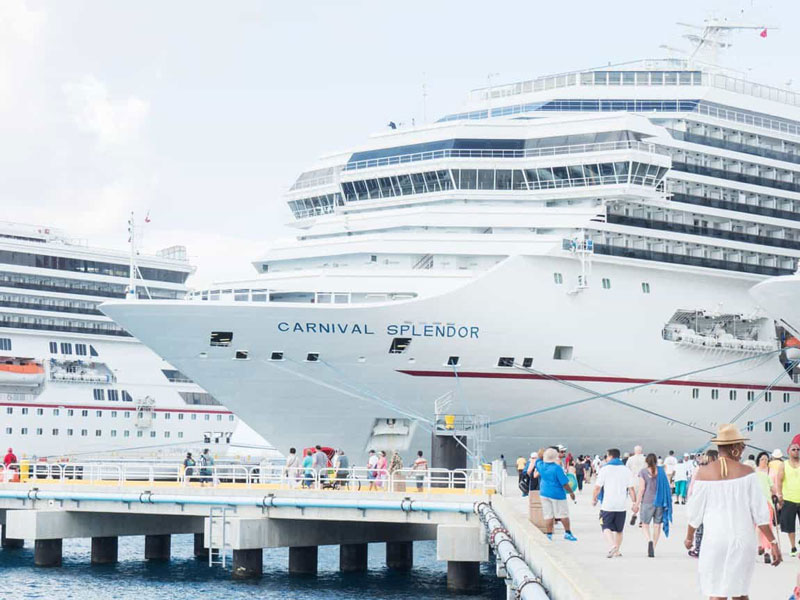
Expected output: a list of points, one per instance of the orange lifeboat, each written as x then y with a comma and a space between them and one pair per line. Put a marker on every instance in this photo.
28, 374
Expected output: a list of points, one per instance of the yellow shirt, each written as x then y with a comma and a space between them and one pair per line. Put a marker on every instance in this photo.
521, 463
791, 482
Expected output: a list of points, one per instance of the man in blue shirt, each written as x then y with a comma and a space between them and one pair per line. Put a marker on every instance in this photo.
553, 489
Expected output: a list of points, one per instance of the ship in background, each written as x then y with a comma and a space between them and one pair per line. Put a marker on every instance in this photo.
75, 384
567, 259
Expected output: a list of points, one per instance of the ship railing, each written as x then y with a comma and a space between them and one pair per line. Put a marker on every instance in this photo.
258, 477
518, 153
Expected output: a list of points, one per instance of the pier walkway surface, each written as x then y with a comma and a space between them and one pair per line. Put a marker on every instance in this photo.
672, 575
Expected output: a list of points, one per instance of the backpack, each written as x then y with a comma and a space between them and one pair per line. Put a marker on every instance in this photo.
525, 482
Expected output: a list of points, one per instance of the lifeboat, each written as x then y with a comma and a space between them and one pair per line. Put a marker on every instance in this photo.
28, 374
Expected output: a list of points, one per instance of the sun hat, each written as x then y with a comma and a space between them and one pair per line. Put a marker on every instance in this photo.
728, 434
777, 453
533, 454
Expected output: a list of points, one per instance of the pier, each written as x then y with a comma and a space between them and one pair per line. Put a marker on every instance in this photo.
473, 516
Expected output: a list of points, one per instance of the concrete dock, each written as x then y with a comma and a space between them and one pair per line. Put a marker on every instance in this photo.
241, 520
580, 570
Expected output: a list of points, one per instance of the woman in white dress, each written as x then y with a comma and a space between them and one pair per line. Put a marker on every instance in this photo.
727, 500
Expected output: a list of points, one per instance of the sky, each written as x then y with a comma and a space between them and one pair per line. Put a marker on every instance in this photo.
203, 113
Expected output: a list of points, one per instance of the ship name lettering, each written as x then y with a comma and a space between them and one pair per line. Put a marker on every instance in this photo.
429, 330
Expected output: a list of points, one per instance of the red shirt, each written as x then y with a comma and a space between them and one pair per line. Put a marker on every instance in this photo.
9, 458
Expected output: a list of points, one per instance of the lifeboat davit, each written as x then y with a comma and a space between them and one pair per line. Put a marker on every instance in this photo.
28, 374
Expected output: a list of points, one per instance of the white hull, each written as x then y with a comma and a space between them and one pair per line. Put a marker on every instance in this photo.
616, 336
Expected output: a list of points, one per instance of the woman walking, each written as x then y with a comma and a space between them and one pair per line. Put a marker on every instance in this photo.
768, 489
382, 469
654, 501
727, 500
395, 468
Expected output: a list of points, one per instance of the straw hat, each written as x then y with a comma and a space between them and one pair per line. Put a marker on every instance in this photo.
728, 434
777, 453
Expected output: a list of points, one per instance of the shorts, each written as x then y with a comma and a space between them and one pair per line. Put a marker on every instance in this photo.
789, 515
650, 513
613, 520
680, 488
371, 475
554, 509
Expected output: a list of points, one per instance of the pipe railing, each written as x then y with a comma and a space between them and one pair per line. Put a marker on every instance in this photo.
266, 475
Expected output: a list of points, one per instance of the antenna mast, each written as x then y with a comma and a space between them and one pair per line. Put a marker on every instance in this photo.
712, 37
131, 295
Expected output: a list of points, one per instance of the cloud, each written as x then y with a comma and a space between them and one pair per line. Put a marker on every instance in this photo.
21, 31
113, 121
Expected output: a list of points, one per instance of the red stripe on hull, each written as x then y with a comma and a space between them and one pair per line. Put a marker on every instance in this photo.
596, 379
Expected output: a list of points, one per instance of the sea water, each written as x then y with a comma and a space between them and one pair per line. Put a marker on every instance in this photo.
187, 578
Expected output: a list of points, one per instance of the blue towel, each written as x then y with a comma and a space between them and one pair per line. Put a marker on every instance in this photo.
664, 499
613, 461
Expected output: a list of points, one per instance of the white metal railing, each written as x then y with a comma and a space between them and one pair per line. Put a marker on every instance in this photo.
521, 153
249, 476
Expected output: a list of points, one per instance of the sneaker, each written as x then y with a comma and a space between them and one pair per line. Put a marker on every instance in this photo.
612, 553
651, 551
794, 551
549, 536
569, 537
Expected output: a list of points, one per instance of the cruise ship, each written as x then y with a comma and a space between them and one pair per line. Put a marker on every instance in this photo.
74, 384
566, 259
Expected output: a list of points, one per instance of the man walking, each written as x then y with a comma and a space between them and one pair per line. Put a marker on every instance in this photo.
521, 462
637, 462
615, 483
669, 466
789, 493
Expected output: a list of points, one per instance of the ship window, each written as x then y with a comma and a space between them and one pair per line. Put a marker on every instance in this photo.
276, 356
126, 396
180, 416
5, 343
180, 434
84, 413
66, 348
373, 258
9, 411
113, 414
241, 355
527, 362
56, 412
152, 434
751, 395
25, 410
92, 351
69, 432
207, 417
219, 417
768, 426
645, 287
166, 434
714, 394
221, 338
24, 431
732, 395
80, 349
505, 361
113, 433
113, 395
53, 348
167, 415
695, 393
39, 412
127, 433
38, 431
562, 353
767, 396
312, 357
98, 433
786, 396
231, 417
749, 426
606, 283
399, 345
84, 432
98, 413
139, 433
70, 412
99, 394
558, 278
194, 416
453, 361
786, 427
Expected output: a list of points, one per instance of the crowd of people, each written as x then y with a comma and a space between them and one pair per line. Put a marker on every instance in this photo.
735, 505
334, 466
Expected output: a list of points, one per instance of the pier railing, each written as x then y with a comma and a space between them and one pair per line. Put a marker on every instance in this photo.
265, 476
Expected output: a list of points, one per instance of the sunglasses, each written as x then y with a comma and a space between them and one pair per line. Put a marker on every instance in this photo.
793, 449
